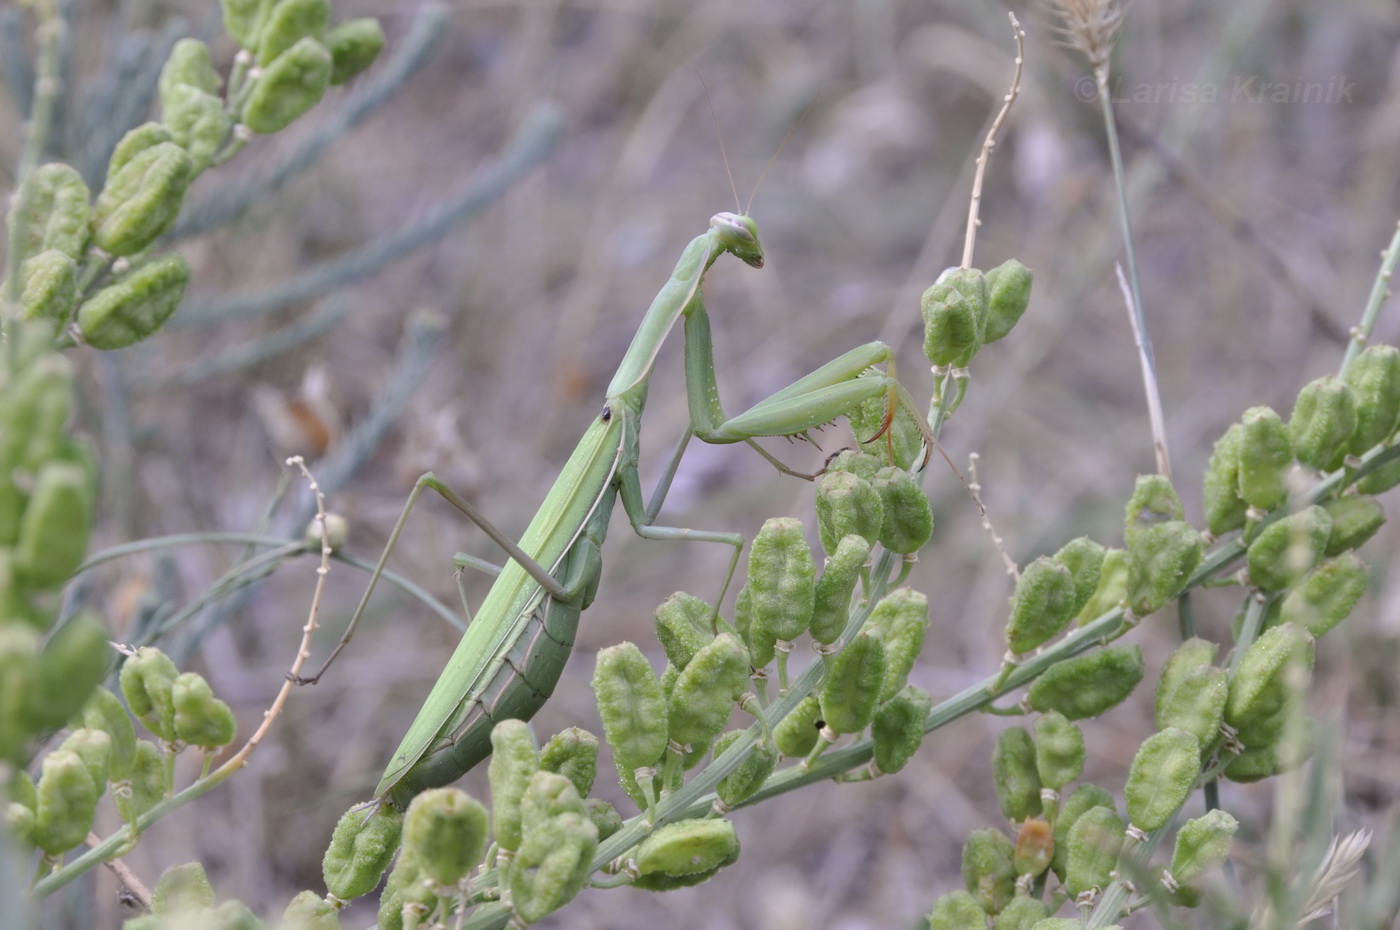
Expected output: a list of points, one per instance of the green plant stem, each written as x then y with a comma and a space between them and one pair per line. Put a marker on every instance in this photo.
1380, 290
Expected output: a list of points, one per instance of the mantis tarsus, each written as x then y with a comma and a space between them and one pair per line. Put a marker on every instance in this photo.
512, 654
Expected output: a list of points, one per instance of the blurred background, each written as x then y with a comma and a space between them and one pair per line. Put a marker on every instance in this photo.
1259, 214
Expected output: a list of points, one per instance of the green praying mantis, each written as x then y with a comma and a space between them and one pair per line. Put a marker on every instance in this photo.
514, 650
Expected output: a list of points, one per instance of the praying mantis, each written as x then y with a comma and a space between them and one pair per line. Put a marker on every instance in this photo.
514, 650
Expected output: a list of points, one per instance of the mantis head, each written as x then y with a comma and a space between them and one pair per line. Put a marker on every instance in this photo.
739, 235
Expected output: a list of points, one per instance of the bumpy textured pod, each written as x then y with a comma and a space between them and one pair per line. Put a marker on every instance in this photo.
901, 622
361, 849
1112, 589
33, 425
1161, 777
1084, 559
1154, 502
1283, 754
1008, 295
1041, 606
71, 664
1202, 844
1023, 913
401, 892
294, 83
782, 578
135, 305
1326, 594
554, 857
1088, 685
104, 711
514, 761
1084, 798
1035, 844
50, 212
1195, 703
182, 888
955, 318
684, 627
957, 910
796, 734
857, 463
446, 830
67, 801
604, 816
198, 122
189, 65
146, 783
200, 718
1190, 654
19, 646
1014, 771
762, 642
1380, 480
1287, 549
1220, 493
53, 532
901, 445
1324, 417
1160, 561
353, 45
851, 693
1355, 519
632, 706
1374, 379
687, 847
660, 881
142, 199
1265, 683
847, 503
704, 695
136, 141
898, 728
244, 19
94, 747
989, 870
907, 523
146, 680
50, 287
1094, 843
1059, 750
1265, 457
572, 753
739, 784
309, 911
289, 22
832, 600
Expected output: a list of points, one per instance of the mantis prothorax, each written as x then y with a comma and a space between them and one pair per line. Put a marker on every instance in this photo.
513, 652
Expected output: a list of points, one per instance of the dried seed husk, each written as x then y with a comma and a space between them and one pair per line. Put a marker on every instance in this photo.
1035, 844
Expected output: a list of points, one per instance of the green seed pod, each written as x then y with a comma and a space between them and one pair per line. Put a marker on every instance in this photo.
70, 666
1041, 606
832, 600
632, 706
136, 141
705, 692
514, 761
198, 123
1094, 842
1326, 594
146, 680
141, 200
955, 318
403, 891
50, 287
957, 910
686, 847
1380, 480
53, 533
1160, 562
136, 305
1064, 923
796, 734
33, 425
21, 790
847, 503
1284, 754
291, 85
1008, 295
989, 870
1017, 779
907, 523
1161, 777
557, 850
446, 829
1220, 494
1085, 798
1374, 379
684, 625
851, 694
67, 801
782, 578
901, 622
572, 753
1059, 750
1112, 589
898, 728
660, 881
1263, 690
94, 747
19, 646
1190, 654
360, 851
233, 915
1265, 457
1154, 503
244, 19
1088, 685
147, 782
1196, 702
200, 718
189, 65
604, 816
309, 911
1084, 559
901, 445
1355, 519
1324, 417
761, 641
50, 211
1202, 844
290, 22
857, 463
1021, 914
182, 888
104, 711
1287, 549
18, 820
354, 45
736, 787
